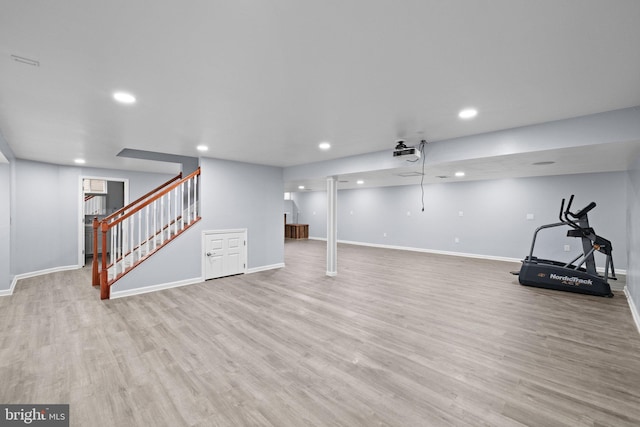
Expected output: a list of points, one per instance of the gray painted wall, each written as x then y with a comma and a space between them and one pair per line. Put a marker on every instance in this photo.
633, 234
288, 210
234, 195
312, 210
46, 221
243, 195
494, 215
291, 209
6, 171
5, 229
46, 218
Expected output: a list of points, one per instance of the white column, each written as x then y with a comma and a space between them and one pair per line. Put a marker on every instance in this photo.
332, 226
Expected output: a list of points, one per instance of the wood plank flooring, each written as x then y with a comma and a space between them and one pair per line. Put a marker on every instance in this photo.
396, 339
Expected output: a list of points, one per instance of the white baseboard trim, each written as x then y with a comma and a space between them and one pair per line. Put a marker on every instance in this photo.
265, 268
154, 288
429, 251
434, 251
439, 252
7, 292
14, 282
634, 310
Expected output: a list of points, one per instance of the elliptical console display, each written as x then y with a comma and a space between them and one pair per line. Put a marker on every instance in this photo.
578, 275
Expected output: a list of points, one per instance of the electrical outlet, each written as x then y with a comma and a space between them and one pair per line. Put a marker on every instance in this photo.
384, 234
460, 213
567, 248
530, 217
456, 240
408, 213
350, 212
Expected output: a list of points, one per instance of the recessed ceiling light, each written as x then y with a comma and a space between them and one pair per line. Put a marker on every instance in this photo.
468, 113
80, 161
124, 97
459, 174
202, 148
359, 182
324, 146
300, 187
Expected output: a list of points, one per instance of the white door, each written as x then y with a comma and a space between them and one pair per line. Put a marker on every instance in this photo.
224, 254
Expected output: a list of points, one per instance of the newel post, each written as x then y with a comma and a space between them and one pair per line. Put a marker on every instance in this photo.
104, 273
95, 277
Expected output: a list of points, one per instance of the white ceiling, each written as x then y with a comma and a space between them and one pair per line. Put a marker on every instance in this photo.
266, 81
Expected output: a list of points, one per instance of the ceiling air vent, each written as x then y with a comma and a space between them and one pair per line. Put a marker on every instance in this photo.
548, 162
23, 60
409, 174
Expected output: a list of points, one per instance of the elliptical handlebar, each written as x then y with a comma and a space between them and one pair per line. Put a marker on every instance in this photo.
580, 214
568, 211
583, 211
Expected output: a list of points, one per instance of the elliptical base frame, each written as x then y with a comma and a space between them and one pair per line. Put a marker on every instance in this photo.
554, 275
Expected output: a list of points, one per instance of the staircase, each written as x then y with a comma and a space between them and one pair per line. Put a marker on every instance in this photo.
129, 236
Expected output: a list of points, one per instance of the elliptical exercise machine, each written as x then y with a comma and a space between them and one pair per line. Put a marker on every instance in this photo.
578, 275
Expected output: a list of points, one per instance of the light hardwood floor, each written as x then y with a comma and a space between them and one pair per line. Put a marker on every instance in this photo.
397, 338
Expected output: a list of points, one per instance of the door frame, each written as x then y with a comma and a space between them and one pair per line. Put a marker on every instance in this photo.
81, 237
203, 249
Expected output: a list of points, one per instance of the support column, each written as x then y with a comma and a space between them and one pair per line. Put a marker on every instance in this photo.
332, 226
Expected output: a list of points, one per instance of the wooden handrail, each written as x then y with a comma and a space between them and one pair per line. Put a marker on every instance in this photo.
158, 188
154, 198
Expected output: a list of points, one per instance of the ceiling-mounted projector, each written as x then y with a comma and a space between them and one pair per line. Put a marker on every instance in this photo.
407, 153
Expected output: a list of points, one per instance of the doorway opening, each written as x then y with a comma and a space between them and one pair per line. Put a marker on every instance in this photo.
99, 198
